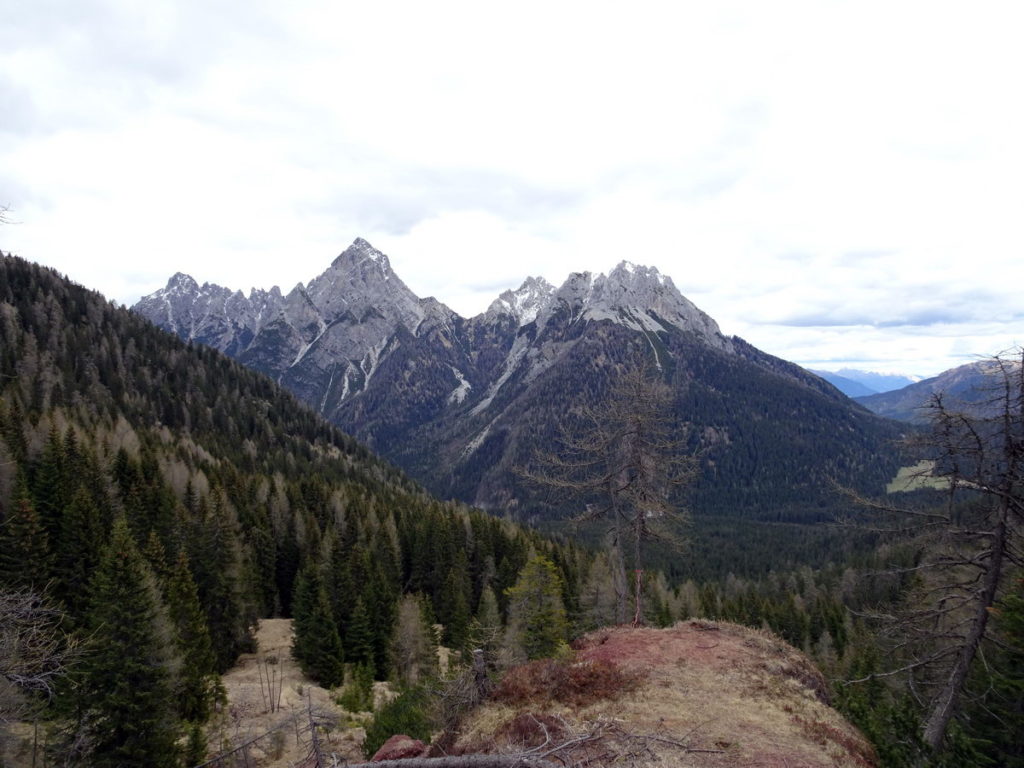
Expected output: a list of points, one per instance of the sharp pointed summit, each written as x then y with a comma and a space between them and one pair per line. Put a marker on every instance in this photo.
525, 302
459, 401
182, 283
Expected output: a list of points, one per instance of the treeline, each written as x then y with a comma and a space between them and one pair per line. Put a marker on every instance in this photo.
166, 497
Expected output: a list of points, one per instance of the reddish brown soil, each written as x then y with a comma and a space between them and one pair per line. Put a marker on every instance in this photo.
710, 694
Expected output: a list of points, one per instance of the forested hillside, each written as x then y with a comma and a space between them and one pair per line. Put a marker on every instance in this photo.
158, 498
165, 497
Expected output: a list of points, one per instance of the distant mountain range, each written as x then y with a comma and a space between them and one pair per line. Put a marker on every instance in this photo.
966, 385
854, 382
461, 403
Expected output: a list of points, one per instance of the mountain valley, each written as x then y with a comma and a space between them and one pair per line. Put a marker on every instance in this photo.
151, 484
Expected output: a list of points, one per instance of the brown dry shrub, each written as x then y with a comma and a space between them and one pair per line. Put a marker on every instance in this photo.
530, 730
531, 682
590, 681
576, 684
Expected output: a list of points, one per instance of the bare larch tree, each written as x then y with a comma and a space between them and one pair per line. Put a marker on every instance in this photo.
626, 459
969, 547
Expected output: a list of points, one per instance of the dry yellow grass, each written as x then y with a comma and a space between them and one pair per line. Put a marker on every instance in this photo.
742, 695
248, 714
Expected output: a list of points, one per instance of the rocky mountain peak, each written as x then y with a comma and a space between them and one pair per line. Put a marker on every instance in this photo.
633, 295
363, 257
628, 273
358, 281
636, 285
181, 283
525, 302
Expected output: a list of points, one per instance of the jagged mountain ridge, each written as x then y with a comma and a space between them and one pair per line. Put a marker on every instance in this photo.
460, 402
340, 324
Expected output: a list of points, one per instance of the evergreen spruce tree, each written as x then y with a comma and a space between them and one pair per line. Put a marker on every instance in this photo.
996, 721
126, 680
286, 565
317, 646
341, 586
48, 484
536, 613
198, 684
213, 554
24, 545
485, 628
78, 549
359, 639
156, 558
453, 603
1008, 703
13, 431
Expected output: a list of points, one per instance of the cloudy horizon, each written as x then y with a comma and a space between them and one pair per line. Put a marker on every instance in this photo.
838, 184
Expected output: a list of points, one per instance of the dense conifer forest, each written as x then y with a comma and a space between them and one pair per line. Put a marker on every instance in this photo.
165, 498
157, 499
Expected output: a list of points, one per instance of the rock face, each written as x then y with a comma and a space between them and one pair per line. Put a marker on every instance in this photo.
461, 402
322, 340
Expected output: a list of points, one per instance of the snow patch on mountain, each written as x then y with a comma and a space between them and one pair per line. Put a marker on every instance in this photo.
524, 303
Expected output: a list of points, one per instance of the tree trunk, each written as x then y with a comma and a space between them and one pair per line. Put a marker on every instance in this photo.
945, 705
638, 573
461, 761
618, 563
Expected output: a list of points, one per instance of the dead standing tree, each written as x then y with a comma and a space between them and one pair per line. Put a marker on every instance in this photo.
625, 458
968, 549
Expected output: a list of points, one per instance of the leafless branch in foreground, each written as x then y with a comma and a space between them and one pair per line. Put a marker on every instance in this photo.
34, 651
601, 743
966, 550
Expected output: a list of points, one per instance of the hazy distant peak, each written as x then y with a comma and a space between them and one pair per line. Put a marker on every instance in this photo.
877, 381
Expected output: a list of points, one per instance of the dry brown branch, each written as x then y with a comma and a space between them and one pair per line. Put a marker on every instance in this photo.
34, 651
965, 549
461, 761
627, 459
617, 746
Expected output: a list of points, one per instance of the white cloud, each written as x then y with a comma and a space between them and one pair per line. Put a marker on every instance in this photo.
812, 174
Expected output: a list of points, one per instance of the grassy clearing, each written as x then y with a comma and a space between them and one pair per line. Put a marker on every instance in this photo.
916, 478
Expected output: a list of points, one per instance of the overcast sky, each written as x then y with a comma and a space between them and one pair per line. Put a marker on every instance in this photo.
840, 183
